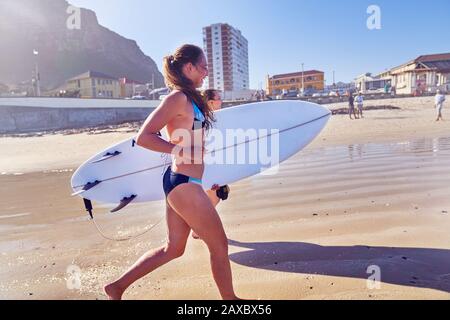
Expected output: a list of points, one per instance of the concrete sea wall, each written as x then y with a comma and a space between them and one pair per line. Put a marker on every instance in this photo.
25, 115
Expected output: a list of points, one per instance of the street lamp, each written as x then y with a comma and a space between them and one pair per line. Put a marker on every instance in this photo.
38, 87
303, 78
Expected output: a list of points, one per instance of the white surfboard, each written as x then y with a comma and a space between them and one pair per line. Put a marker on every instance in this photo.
127, 173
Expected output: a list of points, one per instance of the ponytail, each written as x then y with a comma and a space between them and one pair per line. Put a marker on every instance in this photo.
176, 80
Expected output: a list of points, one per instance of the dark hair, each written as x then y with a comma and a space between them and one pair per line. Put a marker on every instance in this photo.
209, 94
176, 80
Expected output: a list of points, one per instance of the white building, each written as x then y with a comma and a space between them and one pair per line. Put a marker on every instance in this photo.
227, 53
367, 83
425, 74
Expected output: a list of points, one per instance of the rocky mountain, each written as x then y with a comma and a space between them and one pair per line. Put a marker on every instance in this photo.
66, 46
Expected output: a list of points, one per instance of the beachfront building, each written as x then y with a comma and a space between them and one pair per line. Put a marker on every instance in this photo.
227, 53
130, 88
292, 82
367, 83
426, 73
94, 84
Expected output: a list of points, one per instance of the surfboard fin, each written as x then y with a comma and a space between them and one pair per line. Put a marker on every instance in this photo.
123, 203
87, 187
88, 205
107, 156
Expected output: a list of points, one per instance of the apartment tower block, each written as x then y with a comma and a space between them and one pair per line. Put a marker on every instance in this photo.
227, 52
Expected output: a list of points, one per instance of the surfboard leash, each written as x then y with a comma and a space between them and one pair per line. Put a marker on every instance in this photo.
89, 209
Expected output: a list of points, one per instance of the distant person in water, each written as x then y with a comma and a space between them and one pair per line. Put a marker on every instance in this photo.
439, 103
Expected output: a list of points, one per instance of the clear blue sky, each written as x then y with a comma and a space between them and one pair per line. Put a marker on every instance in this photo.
324, 34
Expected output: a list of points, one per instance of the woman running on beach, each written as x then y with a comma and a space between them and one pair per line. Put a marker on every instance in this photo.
185, 116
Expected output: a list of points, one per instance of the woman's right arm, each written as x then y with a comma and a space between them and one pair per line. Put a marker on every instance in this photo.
148, 135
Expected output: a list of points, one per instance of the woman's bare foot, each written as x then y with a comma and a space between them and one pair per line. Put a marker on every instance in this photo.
113, 291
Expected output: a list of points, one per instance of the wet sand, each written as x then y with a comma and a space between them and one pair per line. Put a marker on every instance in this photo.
371, 192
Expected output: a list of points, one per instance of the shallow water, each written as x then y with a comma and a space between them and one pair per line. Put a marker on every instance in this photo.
364, 158
44, 198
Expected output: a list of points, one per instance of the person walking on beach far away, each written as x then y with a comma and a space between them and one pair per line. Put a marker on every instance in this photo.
393, 91
183, 113
359, 100
351, 105
439, 103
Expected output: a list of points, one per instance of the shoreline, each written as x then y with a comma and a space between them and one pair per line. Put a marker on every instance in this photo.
134, 126
415, 118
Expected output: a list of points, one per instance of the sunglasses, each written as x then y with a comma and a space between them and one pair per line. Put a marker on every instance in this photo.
205, 68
